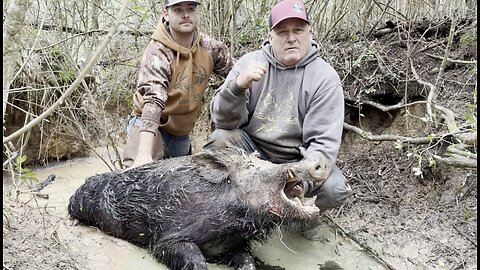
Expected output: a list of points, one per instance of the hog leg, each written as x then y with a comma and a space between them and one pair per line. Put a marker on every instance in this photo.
180, 256
242, 260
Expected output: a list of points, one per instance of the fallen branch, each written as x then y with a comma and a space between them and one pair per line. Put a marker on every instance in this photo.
460, 149
465, 137
457, 161
386, 137
46, 182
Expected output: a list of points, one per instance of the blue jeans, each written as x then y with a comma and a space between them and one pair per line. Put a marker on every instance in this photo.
174, 146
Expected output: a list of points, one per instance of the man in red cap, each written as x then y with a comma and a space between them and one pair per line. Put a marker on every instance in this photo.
285, 102
174, 73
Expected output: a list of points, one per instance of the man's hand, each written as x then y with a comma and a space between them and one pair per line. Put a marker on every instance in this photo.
254, 71
145, 146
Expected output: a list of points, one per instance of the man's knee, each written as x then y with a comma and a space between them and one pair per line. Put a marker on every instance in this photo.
334, 191
224, 138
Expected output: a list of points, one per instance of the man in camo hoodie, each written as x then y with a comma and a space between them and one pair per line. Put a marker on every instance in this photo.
174, 74
285, 102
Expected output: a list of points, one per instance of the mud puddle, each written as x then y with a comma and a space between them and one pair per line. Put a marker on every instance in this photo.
285, 250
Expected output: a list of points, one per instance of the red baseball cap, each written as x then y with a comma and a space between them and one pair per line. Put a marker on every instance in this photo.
288, 9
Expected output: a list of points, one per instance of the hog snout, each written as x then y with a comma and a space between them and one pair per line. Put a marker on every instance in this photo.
320, 170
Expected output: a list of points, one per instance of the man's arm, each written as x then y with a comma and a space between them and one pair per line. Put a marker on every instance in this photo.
145, 146
323, 128
228, 106
323, 125
154, 75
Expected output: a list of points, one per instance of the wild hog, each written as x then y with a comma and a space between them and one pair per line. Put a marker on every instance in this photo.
193, 209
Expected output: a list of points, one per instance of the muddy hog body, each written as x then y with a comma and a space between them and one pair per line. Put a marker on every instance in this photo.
194, 209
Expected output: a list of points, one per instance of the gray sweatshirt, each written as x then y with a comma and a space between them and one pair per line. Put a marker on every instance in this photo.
293, 113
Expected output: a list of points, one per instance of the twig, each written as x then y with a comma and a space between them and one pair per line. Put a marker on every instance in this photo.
67, 38
371, 137
115, 149
382, 107
12, 157
100, 156
464, 235
363, 245
431, 45
25, 61
432, 95
334, 25
77, 32
452, 60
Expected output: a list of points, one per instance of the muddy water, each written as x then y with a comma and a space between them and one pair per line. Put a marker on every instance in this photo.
284, 250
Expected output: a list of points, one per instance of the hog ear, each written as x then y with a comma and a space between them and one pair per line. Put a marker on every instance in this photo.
211, 167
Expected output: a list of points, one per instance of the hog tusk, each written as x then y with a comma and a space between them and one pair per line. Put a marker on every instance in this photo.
291, 175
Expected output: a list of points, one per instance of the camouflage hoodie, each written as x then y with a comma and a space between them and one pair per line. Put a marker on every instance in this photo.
172, 80
292, 113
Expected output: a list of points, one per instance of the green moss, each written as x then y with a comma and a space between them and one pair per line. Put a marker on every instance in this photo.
469, 39
466, 214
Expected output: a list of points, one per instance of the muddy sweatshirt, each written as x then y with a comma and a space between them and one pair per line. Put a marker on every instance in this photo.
172, 80
292, 113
